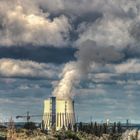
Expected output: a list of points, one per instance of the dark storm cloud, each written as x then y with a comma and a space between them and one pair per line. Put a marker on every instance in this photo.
78, 18
39, 54
75, 20
89, 17
132, 52
56, 55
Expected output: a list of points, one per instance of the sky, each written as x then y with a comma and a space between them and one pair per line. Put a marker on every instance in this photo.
86, 49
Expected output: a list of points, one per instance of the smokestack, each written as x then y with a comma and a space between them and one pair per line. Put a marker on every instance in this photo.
58, 113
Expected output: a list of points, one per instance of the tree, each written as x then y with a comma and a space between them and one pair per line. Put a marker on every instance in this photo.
42, 125
114, 128
11, 133
75, 127
30, 125
119, 127
100, 130
80, 126
91, 128
104, 128
95, 128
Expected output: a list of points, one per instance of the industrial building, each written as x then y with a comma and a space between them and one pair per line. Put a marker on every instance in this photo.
58, 113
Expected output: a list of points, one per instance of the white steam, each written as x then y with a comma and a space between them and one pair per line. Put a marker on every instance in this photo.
69, 76
73, 72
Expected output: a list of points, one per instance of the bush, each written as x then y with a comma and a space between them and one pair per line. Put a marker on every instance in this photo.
2, 138
67, 135
72, 135
30, 125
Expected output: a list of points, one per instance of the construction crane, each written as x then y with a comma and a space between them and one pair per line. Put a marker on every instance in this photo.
28, 116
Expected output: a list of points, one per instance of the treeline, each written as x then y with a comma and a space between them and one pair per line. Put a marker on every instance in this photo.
98, 129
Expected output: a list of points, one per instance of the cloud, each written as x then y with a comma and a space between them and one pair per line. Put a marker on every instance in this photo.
26, 69
73, 72
53, 22
78, 7
99, 41
118, 26
106, 99
106, 32
24, 23
39, 54
106, 36
90, 52
130, 66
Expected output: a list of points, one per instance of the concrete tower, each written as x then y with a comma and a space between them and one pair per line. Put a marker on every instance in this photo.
58, 113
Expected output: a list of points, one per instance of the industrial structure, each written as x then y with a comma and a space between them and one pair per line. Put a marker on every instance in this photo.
58, 113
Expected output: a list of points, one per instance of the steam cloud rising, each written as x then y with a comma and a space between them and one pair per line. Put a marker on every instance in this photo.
73, 72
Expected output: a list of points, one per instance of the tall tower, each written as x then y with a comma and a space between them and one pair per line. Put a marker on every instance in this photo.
58, 113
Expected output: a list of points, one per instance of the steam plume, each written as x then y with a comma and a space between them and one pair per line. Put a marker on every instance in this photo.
73, 72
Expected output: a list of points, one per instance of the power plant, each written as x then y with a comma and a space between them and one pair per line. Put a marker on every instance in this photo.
58, 113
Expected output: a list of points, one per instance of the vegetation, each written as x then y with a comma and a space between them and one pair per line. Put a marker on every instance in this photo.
100, 129
81, 131
30, 126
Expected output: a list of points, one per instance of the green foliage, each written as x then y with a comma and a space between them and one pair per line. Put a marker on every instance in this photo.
30, 125
95, 128
105, 128
80, 126
119, 127
75, 128
114, 137
67, 135
42, 125
114, 128
2, 138
71, 135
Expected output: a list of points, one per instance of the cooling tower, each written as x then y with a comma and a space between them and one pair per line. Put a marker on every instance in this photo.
58, 113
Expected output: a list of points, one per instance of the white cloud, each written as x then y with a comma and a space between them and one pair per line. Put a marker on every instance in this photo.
30, 69
118, 27
131, 66
76, 6
28, 86
24, 23
84, 6
107, 32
